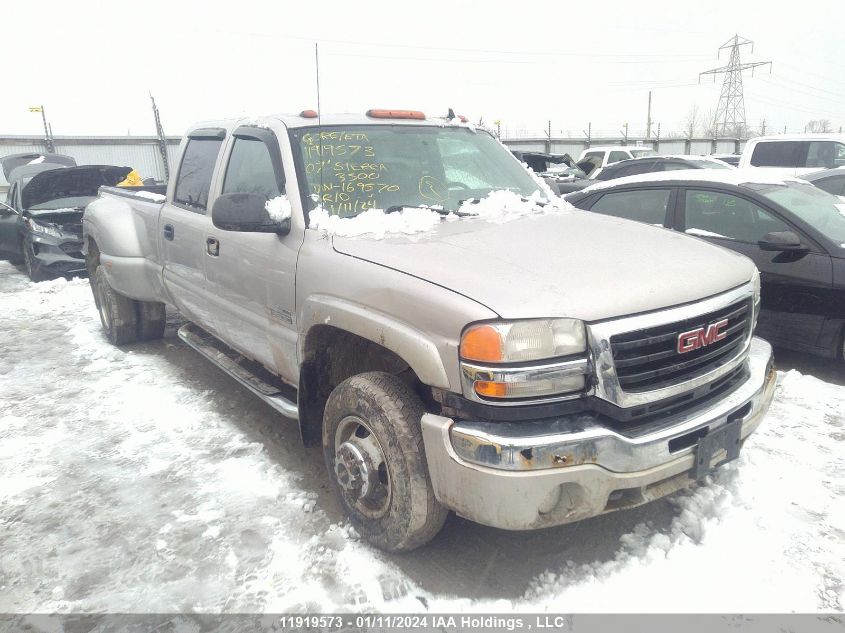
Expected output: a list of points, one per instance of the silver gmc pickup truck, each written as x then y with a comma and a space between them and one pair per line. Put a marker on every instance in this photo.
522, 370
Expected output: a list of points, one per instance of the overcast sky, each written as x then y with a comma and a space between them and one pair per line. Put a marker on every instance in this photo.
92, 64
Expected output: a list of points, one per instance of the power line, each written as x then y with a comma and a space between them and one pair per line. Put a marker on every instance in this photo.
730, 113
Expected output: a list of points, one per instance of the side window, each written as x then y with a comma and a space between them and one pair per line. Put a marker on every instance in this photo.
716, 214
644, 205
825, 154
250, 170
195, 173
616, 156
780, 154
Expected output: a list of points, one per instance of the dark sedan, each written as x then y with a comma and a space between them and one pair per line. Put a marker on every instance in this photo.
651, 164
831, 180
41, 220
793, 231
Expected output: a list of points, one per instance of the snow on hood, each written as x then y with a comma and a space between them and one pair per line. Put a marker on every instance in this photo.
498, 206
566, 263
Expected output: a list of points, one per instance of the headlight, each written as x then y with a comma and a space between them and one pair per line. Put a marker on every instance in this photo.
486, 347
523, 341
45, 229
755, 279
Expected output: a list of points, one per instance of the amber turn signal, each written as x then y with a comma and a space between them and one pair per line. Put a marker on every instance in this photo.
482, 343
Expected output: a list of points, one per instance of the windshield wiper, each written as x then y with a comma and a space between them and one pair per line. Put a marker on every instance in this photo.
398, 207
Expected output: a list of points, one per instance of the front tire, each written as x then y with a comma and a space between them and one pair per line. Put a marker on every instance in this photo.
373, 448
118, 314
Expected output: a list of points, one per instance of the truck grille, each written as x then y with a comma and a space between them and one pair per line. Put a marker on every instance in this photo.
648, 359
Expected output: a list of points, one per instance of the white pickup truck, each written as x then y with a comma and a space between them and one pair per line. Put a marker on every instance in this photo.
454, 336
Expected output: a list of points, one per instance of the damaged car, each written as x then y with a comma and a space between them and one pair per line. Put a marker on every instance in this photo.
41, 220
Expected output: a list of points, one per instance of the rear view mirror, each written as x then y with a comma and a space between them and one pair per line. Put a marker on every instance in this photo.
781, 241
245, 212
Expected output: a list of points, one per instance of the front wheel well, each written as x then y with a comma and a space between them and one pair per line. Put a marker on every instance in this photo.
332, 355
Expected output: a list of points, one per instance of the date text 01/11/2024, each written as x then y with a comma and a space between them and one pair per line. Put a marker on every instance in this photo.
425, 622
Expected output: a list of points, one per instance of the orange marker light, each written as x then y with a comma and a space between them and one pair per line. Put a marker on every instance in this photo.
396, 114
483, 343
308, 114
491, 389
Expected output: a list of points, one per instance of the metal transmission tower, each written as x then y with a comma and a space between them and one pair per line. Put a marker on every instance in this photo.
730, 114
162, 141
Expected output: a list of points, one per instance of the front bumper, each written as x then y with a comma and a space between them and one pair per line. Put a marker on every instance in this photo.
528, 475
58, 256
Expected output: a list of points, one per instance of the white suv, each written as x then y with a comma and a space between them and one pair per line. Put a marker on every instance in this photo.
794, 155
602, 156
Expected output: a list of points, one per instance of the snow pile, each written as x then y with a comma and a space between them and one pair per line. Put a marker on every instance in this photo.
376, 222
498, 206
36, 161
278, 208
149, 195
503, 205
747, 176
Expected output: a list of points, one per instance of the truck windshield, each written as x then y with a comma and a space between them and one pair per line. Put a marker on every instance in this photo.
349, 169
820, 209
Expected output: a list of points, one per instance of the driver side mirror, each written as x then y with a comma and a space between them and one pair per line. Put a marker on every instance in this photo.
247, 213
781, 241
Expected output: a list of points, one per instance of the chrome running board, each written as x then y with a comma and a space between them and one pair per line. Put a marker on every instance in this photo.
238, 368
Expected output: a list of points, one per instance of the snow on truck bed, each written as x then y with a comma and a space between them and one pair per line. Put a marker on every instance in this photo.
144, 480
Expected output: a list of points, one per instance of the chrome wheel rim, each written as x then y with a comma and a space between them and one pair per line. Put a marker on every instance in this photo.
360, 468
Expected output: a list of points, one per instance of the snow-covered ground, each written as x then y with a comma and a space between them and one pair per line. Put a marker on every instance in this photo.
143, 480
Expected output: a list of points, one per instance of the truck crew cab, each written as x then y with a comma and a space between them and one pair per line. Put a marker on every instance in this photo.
521, 369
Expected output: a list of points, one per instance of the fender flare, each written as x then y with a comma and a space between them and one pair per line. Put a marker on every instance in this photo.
407, 342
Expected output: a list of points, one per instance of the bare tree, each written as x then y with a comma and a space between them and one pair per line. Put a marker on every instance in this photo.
692, 120
709, 126
819, 125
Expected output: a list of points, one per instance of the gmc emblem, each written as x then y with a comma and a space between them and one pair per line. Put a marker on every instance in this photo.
702, 337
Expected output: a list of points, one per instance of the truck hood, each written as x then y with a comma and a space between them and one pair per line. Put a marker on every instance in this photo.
565, 264
70, 182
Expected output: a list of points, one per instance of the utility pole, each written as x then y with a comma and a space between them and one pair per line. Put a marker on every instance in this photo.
763, 128
48, 130
656, 145
162, 141
625, 134
730, 113
648, 119
549, 139
588, 134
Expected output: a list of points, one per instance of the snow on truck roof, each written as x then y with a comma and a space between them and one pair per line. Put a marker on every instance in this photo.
727, 176
820, 136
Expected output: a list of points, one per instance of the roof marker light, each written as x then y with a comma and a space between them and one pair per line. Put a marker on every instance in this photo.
396, 114
308, 114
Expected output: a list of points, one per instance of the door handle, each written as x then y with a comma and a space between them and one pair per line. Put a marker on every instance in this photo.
168, 232
212, 246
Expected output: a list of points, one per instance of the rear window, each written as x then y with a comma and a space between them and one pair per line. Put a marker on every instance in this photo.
644, 205
799, 154
195, 173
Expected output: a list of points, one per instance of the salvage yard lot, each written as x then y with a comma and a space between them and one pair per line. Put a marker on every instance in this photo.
143, 479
